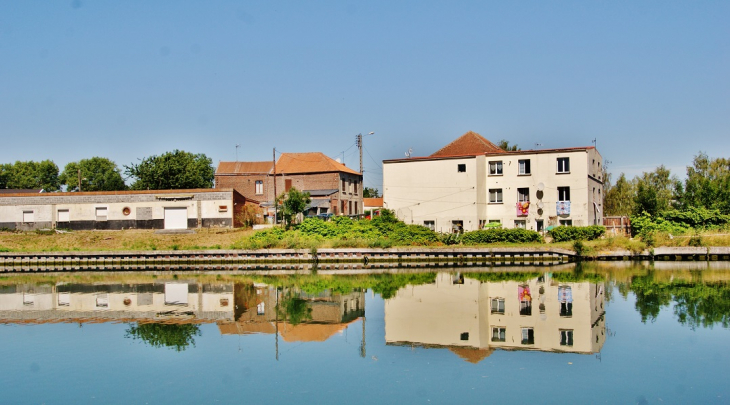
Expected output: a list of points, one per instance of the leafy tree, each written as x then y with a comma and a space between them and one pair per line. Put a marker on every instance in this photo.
97, 174
292, 203
707, 184
30, 174
619, 198
504, 145
172, 170
368, 192
655, 191
174, 336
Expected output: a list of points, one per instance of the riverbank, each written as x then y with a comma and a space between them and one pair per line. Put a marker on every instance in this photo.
353, 258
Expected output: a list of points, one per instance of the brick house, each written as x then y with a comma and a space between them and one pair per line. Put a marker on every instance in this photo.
333, 187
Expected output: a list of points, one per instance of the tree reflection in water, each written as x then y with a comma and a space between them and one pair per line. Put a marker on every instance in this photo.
174, 336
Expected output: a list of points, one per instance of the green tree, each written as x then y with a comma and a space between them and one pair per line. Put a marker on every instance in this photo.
294, 309
97, 174
655, 191
30, 174
174, 336
172, 170
368, 192
504, 145
292, 203
707, 184
619, 198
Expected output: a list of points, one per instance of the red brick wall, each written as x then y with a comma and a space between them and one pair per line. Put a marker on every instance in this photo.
244, 184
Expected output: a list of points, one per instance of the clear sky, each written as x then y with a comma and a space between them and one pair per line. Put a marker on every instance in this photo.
649, 80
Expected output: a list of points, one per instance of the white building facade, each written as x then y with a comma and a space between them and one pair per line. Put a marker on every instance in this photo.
531, 189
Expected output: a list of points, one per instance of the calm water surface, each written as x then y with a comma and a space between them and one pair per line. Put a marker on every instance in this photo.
587, 335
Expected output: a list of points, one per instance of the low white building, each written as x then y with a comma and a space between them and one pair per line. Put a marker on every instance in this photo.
471, 182
113, 210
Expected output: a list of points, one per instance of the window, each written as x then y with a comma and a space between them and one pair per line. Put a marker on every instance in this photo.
495, 195
457, 226
563, 193
259, 187
343, 186
499, 334
355, 186
566, 309
101, 213
497, 305
524, 166
564, 165
287, 184
523, 194
495, 168
430, 225
528, 336
521, 224
63, 216
525, 307
566, 222
261, 308
28, 216
461, 168
222, 208
539, 225
465, 336
102, 301
566, 337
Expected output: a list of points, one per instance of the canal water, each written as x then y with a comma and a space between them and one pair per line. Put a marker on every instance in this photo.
597, 333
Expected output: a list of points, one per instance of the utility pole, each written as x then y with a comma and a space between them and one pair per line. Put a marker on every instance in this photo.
275, 205
358, 141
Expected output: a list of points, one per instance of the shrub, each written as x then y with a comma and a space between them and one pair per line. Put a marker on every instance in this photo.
568, 233
516, 235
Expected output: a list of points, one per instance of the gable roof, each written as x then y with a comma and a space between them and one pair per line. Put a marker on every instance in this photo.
470, 143
244, 167
311, 162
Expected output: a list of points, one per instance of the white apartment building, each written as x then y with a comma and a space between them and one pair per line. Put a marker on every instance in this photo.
472, 182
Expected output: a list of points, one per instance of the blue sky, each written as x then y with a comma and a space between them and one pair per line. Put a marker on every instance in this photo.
648, 80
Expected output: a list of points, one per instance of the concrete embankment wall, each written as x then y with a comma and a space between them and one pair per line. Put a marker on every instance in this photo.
361, 258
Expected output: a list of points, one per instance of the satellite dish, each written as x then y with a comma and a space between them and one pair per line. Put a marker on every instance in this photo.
540, 204
540, 186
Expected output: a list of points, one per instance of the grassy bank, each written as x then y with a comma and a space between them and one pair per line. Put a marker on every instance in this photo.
210, 239
131, 239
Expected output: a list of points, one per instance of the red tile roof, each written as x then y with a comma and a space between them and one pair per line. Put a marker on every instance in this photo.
311, 162
244, 167
469, 144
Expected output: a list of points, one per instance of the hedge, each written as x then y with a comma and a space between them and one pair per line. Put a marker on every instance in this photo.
568, 233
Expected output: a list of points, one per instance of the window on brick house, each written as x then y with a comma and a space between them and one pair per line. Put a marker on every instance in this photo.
259, 187
343, 186
287, 184
355, 185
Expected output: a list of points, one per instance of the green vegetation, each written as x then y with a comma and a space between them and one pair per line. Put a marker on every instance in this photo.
97, 174
292, 203
495, 235
174, 336
660, 204
568, 233
384, 230
695, 303
30, 175
172, 170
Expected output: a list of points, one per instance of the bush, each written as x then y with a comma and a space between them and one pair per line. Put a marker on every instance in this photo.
495, 235
568, 233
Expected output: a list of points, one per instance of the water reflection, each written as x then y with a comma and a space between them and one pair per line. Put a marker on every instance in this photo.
471, 313
461, 312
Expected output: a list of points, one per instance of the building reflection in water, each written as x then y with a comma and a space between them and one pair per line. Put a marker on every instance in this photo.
468, 316
325, 314
170, 301
472, 318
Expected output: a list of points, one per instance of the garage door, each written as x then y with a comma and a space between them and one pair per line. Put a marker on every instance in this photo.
176, 218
